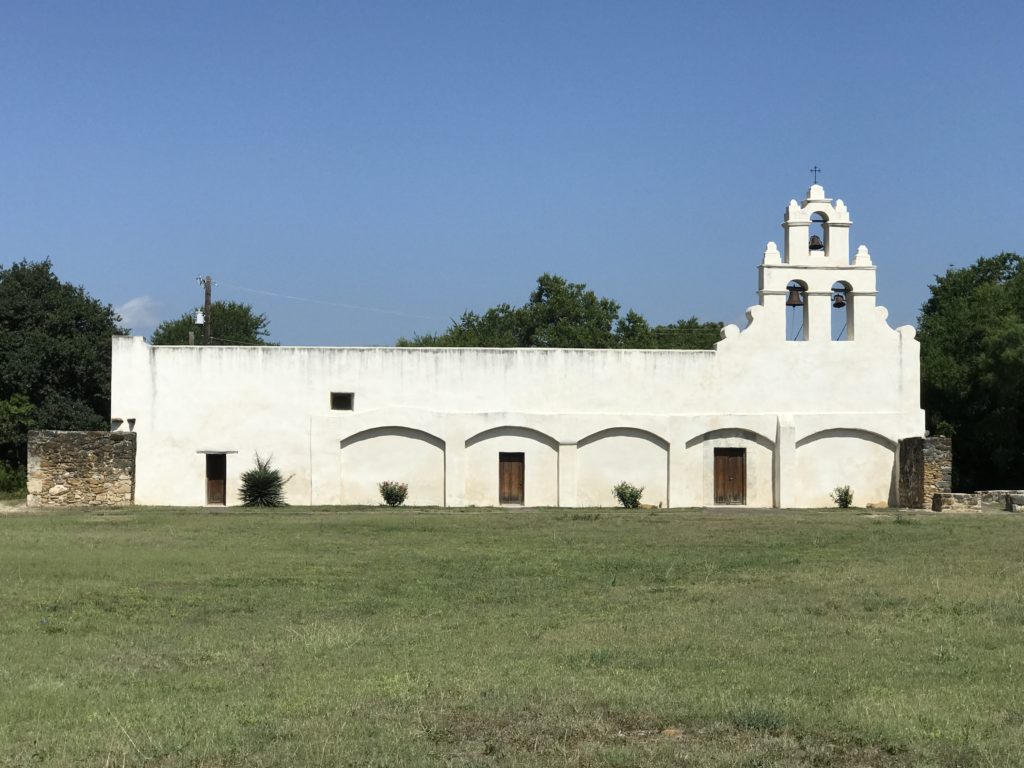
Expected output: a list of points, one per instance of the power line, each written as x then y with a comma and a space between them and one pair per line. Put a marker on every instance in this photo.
343, 305
400, 313
686, 330
239, 342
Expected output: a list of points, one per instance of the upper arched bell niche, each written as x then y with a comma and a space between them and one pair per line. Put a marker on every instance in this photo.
817, 240
817, 230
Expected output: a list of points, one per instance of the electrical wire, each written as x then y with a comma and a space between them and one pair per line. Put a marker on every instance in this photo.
342, 305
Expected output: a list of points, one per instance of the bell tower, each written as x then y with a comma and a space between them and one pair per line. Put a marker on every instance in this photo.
814, 275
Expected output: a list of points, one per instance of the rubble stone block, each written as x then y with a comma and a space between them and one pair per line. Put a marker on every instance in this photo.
69, 468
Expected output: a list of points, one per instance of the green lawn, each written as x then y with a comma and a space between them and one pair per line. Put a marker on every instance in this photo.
492, 638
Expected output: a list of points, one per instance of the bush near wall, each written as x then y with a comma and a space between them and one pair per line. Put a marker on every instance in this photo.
394, 494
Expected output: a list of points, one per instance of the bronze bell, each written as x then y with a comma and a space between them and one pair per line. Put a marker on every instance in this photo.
839, 300
816, 244
795, 298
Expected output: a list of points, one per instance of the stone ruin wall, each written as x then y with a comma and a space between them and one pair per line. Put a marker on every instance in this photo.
81, 468
926, 481
937, 467
981, 501
926, 469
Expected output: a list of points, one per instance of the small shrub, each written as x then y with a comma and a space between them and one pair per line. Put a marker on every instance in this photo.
628, 495
262, 486
393, 493
842, 496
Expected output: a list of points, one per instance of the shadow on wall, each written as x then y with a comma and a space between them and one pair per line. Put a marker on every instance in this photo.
732, 434
412, 434
861, 434
524, 432
641, 434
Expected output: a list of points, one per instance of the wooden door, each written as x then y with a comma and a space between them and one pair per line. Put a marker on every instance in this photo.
511, 476
216, 478
730, 476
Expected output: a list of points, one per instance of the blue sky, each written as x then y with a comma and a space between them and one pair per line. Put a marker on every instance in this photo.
393, 164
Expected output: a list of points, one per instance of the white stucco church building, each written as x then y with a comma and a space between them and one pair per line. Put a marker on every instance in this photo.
814, 393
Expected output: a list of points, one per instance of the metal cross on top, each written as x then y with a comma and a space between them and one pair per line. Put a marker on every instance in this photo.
815, 170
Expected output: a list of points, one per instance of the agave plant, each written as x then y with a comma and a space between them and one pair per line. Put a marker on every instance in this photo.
262, 486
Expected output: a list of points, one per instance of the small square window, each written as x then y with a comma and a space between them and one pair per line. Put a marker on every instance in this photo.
342, 401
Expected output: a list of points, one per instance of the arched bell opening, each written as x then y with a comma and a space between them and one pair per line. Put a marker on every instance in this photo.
796, 310
817, 234
842, 311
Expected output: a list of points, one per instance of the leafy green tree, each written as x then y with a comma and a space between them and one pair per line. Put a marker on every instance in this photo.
972, 369
687, 334
232, 323
54, 356
634, 332
17, 417
564, 314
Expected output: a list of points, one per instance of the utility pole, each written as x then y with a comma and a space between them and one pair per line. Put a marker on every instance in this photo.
207, 283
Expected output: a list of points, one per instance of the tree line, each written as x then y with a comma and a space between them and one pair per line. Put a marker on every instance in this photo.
563, 314
55, 354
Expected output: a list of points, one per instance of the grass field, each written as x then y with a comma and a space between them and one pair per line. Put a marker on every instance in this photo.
490, 638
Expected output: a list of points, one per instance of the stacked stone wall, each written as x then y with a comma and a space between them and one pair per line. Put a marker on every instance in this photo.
956, 502
925, 469
937, 466
81, 468
980, 501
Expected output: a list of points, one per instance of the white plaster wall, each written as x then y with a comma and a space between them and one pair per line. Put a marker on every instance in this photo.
839, 457
226, 384
276, 400
399, 455
540, 482
619, 455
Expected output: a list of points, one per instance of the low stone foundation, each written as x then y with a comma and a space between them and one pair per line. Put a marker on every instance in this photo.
1003, 498
81, 468
956, 502
981, 501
